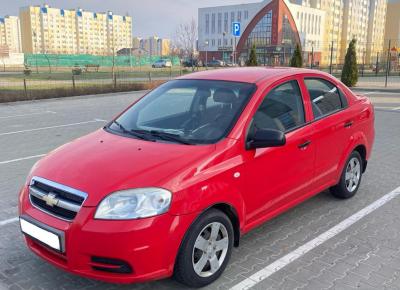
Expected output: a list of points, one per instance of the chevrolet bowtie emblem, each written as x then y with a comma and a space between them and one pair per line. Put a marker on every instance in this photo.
50, 199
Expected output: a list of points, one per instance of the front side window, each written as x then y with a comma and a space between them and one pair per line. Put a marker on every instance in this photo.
282, 109
325, 97
185, 111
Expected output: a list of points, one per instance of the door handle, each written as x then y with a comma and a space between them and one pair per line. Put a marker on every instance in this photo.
348, 124
304, 145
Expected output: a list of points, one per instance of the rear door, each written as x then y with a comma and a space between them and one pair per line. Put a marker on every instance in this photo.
332, 128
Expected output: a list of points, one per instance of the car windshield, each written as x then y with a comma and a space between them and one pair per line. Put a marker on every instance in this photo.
186, 112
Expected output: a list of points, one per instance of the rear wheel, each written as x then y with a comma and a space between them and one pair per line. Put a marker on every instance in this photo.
205, 250
351, 177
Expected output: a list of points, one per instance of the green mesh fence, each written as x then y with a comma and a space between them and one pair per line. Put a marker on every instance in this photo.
70, 60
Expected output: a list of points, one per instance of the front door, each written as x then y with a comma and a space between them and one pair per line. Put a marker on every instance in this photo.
276, 177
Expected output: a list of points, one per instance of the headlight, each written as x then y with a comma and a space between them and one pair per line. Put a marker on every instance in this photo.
134, 204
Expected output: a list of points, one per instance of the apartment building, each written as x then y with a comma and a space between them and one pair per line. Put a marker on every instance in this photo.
10, 34
45, 29
392, 28
376, 29
152, 46
355, 26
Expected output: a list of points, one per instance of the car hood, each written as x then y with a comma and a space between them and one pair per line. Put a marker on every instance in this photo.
101, 163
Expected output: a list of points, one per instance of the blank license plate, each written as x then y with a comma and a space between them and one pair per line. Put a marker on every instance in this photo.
44, 236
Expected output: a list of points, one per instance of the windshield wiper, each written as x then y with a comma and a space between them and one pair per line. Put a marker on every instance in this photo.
165, 136
130, 132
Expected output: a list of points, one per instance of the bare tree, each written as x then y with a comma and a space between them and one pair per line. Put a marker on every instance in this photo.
185, 39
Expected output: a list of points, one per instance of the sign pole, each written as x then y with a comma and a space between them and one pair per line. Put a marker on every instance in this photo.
236, 32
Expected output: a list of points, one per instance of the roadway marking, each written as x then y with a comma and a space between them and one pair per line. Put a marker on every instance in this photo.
50, 127
30, 114
304, 249
9, 221
21, 159
396, 109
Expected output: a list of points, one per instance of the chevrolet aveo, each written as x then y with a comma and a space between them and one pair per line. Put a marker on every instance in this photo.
172, 183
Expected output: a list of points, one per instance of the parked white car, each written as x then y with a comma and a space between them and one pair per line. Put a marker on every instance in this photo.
162, 63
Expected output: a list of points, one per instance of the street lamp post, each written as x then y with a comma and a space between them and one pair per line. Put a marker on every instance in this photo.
206, 45
223, 45
312, 55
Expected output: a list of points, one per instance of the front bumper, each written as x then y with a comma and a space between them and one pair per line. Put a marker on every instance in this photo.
148, 247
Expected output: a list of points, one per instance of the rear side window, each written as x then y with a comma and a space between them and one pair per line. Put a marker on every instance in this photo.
282, 109
325, 97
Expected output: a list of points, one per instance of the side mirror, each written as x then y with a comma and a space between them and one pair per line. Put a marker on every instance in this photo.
264, 138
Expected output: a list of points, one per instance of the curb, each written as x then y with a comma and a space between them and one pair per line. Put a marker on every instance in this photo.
375, 89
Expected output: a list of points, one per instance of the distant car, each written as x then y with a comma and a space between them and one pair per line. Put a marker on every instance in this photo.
162, 63
216, 63
170, 185
231, 64
192, 62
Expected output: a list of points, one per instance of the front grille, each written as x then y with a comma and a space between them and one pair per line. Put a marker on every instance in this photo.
55, 199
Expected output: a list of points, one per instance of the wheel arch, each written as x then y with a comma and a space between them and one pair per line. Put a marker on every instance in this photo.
362, 150
357, 143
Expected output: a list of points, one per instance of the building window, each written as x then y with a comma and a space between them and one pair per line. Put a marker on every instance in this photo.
207, 23
232, 17
239, 16
213, 23
226, 19
246, 15
219, 22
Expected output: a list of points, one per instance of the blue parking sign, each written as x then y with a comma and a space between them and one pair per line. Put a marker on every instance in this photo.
236, 29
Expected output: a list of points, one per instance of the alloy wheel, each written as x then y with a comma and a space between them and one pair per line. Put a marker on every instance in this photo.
353, 174
210, 249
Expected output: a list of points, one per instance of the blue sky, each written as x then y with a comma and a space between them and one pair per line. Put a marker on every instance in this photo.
150, 17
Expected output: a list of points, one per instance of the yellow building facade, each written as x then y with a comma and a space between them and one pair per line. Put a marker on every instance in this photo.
60, 31
10, 34
392, 29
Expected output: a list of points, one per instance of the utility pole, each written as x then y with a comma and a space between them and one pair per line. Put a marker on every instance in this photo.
363, 64
234, 52
206, 45
312, 55
223, 45
388, 64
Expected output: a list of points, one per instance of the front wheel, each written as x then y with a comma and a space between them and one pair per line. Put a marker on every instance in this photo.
351, 177
205, 251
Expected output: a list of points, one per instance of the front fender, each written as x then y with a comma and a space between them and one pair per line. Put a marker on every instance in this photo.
198, 199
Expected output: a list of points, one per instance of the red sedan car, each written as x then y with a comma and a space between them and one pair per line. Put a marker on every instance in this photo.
172, 183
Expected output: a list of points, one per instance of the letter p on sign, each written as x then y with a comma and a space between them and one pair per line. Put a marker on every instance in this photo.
236, 29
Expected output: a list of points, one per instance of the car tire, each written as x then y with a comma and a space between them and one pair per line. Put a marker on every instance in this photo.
193, 265
350, 178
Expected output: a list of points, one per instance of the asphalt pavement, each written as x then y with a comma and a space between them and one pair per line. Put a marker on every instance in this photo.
323, 243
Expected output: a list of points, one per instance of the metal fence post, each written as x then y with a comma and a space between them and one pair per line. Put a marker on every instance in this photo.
363, 64
73, 83
387, 65
331, 60
25, 89
149, 76
377, 64
115, 81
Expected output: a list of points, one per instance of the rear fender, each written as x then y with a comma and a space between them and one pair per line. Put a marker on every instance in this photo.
355, 140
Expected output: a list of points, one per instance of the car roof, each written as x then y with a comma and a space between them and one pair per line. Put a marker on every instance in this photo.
248, 74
